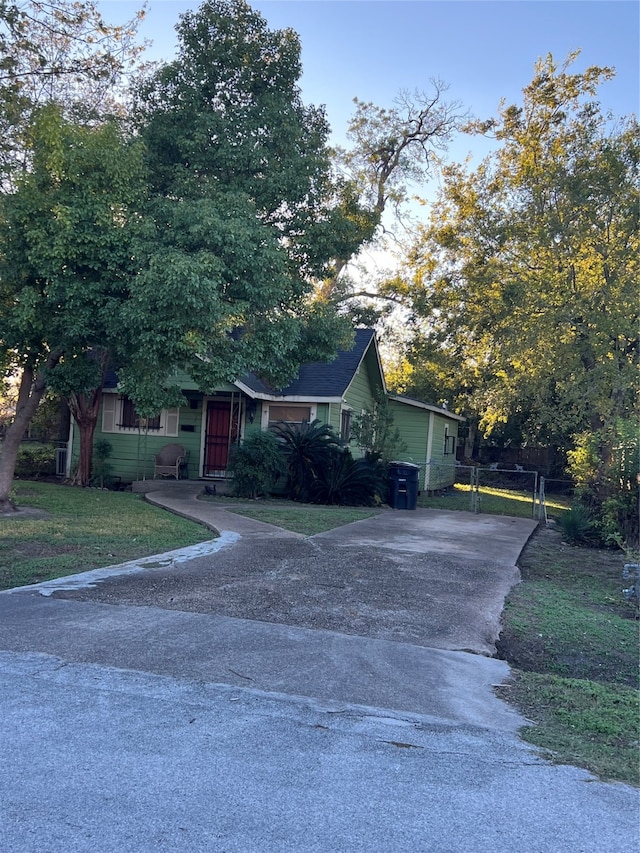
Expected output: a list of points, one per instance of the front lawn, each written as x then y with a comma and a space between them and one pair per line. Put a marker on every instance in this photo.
307, 519
84, 529
572, 640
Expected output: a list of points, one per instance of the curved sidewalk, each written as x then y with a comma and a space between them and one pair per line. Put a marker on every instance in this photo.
182, 499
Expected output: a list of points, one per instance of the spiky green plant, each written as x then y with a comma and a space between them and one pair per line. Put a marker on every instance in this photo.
308, 449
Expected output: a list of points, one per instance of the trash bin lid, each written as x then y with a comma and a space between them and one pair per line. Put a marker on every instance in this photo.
404, 465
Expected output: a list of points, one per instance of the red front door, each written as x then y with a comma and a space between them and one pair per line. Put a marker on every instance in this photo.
223, 419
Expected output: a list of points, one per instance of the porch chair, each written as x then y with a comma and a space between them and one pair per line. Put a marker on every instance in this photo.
169, 460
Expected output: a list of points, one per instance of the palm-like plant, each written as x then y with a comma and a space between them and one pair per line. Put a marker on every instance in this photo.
308, 450
348, 482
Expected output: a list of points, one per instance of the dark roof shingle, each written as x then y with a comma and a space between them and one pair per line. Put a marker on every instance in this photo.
319, 378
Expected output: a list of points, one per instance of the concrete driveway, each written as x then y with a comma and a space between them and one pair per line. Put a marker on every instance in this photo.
284, 694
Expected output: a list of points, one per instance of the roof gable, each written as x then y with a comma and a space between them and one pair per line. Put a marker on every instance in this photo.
320, 379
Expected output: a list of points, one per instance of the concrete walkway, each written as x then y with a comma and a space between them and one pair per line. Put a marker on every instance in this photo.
279, 693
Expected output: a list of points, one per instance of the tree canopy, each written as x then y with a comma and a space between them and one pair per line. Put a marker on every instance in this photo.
243, 208
66, 259
193, 243
62, 52
67, 180
390, 149
523, 286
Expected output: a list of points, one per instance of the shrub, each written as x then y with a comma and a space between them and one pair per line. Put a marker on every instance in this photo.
100, 468
577, 526
308, 450
38, 460
375, 431
348, 482
321, 468
256, 465
605, 467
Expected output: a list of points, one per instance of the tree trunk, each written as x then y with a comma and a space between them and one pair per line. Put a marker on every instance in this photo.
31, 390
85, 409
86, 417
470, 440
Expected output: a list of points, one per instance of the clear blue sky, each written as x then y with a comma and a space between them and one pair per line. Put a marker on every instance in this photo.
484, 49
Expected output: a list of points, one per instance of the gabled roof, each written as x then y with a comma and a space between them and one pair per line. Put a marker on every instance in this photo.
319, 380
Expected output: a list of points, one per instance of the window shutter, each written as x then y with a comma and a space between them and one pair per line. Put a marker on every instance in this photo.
109, 406
171, 422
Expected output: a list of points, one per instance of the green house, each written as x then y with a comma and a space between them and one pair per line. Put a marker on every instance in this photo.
209, 425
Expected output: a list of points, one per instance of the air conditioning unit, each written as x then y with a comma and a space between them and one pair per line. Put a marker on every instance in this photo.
61, 461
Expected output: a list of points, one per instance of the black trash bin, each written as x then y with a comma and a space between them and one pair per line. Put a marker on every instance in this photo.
403, 485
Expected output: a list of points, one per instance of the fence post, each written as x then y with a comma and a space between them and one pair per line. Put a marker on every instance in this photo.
542, 508
475, 490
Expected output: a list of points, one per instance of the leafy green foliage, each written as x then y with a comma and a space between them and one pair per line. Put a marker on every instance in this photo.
46, 424
525, 282
577, 525
66, 238
322, 470
239, 182
190, 244
66, 261
246, 210
346, 481
308, 448
102, 469
605, 465
37, 460
256, 465
58, 52
374, 430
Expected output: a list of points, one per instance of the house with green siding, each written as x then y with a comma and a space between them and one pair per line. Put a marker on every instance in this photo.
209, 425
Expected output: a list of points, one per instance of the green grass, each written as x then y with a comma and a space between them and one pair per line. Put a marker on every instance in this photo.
84, 529
307, 519
581, 722
311, 518
493, 501
573, 642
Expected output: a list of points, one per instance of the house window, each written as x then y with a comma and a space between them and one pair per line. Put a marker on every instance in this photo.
119, 415
130, 419
449, 443
345, 424
289, 414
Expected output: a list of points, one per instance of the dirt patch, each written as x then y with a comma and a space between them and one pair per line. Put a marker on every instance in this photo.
26, 513
42, 549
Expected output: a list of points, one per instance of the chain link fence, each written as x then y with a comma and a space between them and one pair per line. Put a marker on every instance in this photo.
480, 481
546, 489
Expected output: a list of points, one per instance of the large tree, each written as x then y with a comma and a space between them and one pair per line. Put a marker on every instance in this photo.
524, 284
219, 263
60, 65
66, 262
389, 151
245, 216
